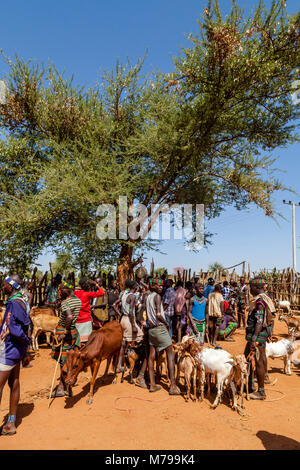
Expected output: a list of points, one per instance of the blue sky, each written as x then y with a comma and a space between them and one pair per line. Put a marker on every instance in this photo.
81, 37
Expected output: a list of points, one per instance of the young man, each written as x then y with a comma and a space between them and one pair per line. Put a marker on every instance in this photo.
262, 313
14, 341
131, 330
67, 334
84, 320
159, 338
215, 313
51, 292
168, 304
180, 308
209, 288
241, 303
198, 313
226, 290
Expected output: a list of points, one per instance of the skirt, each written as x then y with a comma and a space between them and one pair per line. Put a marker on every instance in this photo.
71, 342
84, 330
128, 335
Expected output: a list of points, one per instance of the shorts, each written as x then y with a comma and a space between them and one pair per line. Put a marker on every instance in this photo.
128, 334
159, 337
4, 367
201, 330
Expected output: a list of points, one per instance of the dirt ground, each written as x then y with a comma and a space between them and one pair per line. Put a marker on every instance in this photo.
124, 416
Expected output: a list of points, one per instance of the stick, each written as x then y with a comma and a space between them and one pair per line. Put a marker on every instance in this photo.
60, 351
207, 339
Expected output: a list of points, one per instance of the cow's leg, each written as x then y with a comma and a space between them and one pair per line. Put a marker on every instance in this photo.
106, 369
95, 368
116, 360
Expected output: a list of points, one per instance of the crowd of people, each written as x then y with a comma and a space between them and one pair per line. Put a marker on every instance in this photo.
154, 314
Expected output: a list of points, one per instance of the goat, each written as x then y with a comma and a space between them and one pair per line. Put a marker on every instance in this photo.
45, 323
292, 323
240, 376
284, 349
186, 364
220, 363
283, 305
42, 311
133, 352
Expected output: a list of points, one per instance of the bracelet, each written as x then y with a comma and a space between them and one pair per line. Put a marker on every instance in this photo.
254, 338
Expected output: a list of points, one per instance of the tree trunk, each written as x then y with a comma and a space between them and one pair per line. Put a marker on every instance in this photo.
125, 268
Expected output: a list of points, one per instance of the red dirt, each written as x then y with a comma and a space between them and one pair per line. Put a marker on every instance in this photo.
155, 421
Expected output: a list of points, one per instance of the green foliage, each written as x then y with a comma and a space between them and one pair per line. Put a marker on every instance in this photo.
201, 134
216, 267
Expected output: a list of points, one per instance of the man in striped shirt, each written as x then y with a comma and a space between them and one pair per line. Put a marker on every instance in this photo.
67, 334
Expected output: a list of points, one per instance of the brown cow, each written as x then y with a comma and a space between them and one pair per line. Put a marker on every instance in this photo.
104, 343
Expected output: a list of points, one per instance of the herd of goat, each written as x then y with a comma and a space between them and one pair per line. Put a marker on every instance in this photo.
199, 363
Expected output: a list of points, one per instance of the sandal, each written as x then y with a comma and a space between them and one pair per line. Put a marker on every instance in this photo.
174, 391
59, 393
141, 383
7, 433
155, 388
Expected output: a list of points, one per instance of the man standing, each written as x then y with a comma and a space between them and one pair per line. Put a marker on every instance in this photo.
180, 308
226, 290
241, 303
198, 313
159, 338
51, 292
215, 313
209, 288
84, 320
67, 334
262, 312
131, 330
168, 304
14, 341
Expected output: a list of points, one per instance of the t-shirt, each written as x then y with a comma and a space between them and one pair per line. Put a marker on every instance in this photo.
208, 289
15, 345
85, 297
73, 304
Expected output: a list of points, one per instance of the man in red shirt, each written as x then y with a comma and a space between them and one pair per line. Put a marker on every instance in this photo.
84, 320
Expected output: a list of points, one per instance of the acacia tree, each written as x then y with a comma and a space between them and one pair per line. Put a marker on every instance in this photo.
200, 134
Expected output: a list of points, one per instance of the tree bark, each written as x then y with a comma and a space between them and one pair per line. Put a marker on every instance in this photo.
125, 264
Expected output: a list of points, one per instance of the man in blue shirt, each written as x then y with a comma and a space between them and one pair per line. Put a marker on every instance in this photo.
14, 341
209, 288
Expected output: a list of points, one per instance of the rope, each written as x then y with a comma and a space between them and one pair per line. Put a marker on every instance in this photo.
275, 399
137, 398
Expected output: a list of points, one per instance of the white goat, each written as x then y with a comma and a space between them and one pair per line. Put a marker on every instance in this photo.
284, 349
220, 363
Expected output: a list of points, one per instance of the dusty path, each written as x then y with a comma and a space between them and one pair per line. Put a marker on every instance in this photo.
155, 421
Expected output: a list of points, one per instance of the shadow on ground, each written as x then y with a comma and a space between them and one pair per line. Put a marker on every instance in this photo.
277, 441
